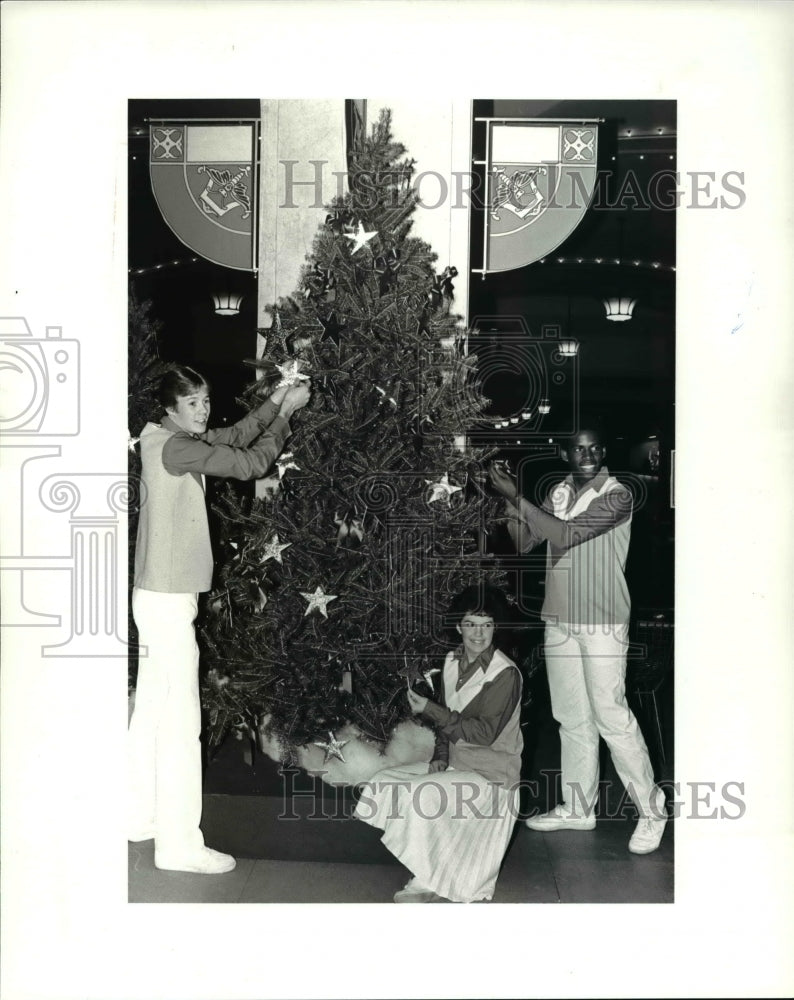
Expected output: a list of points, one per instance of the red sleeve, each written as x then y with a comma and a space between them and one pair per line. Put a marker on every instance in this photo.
241, 434
521, 531
604, 513
485, 716
183, 453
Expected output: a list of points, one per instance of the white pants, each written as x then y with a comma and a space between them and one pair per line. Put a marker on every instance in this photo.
587, 682
164, 751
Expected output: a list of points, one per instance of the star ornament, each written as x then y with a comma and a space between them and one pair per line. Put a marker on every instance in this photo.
332, 328
428, 676
360, 238
285, 463
333, 748
291, 374
273, 549
411, 672
318, 601
442, 488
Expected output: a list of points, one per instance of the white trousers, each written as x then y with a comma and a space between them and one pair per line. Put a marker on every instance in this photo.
587, 682
164, 749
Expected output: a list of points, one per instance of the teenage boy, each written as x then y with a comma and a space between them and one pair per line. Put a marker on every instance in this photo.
586, 520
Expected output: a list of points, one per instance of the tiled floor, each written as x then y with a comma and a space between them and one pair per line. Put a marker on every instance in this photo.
562, 867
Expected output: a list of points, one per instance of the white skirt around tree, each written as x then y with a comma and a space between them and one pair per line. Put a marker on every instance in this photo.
450, 829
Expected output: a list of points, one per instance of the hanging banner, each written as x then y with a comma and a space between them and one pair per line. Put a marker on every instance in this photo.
540, 178
204, 178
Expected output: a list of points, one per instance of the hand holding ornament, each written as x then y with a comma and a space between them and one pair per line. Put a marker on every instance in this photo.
295, 398
502, 481
416, 702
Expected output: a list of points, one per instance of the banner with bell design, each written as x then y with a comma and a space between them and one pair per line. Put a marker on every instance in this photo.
540, 178
204, 178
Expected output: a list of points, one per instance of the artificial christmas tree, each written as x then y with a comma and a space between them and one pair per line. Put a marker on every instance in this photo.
331, 587
144, 371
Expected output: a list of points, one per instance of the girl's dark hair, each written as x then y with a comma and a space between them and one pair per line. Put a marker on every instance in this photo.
179, 380
481, 599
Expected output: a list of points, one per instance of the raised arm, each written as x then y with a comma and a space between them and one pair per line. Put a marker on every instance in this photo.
183, 453
521, 531
282, 402
604, 513
241, 434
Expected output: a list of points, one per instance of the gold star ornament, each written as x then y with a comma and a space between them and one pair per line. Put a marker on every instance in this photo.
442, 488
333, 748
318, 601
273, 549
291, 374
360, 238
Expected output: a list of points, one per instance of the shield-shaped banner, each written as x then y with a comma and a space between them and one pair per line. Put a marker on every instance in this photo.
204, 180
540, 180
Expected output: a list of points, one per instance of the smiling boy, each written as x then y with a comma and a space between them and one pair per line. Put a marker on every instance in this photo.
586, 520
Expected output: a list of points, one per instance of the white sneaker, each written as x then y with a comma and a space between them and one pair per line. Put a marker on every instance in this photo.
561, 818
648, 834
205, 861
415, 892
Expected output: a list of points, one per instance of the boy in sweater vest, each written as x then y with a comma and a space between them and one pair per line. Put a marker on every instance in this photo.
586, 521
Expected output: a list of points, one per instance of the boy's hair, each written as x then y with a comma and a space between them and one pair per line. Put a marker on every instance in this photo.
587, 422
179, 380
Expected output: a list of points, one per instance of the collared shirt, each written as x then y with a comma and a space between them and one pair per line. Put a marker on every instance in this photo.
485, 716
173, 551
588, 531
467, 668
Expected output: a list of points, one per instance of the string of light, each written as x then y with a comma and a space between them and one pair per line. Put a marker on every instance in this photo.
160, 267
654, 265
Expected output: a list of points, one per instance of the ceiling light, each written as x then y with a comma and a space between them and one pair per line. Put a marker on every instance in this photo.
619, 309
227, 304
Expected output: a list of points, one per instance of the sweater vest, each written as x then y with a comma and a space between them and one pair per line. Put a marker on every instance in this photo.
173, 553
586, 585
501, 761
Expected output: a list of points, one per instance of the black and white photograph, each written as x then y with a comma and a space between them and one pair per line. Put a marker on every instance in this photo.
391, 396
438, 536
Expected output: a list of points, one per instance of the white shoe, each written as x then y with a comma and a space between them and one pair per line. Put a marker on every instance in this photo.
561, 818
205, 861
648, 834
139, 836
415, 892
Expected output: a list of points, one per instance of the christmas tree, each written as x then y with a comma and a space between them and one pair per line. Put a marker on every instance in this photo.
145, 369
331, 587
